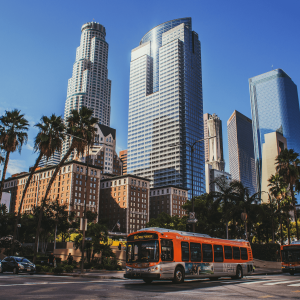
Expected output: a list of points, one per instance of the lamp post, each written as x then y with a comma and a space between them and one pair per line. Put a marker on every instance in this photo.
192, 146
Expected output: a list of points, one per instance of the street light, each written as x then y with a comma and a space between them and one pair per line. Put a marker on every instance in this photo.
192, 162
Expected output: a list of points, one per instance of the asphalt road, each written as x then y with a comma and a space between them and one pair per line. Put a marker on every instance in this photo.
65, 287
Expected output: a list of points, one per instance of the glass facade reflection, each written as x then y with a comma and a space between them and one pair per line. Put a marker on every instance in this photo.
274, 107
166, 106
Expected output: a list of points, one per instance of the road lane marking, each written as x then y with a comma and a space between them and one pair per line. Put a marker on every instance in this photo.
297, 291
49, 282
281, 282
259, 281
267, 296
295, 284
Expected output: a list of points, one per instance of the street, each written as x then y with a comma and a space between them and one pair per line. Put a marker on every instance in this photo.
67, 287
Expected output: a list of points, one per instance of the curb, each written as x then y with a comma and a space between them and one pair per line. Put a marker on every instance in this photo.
82, 275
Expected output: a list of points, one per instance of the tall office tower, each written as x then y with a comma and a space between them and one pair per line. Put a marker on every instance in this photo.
274, 107
52, 161
240, 147
89, 85
213, 147
123, 157
166, 107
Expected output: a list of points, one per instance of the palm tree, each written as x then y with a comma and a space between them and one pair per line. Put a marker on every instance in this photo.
48, 140
245, 203
13, 135
288, 166
81, 126
278, 189
225, 196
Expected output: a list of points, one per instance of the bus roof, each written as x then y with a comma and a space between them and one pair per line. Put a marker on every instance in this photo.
185, 233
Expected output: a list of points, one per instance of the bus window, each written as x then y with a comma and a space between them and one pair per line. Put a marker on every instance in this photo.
166, 250
185, 251
228, 252
195, 252
218, 253
244, 254
236, 253
207, 252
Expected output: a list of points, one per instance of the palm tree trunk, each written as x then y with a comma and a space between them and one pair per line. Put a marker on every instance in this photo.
23, 196
45, 198
4, 173
288, 228
296, 220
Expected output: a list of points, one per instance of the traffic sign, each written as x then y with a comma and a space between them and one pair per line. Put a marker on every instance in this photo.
189, 221
89, 239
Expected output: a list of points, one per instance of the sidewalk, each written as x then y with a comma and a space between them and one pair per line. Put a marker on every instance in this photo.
99, 274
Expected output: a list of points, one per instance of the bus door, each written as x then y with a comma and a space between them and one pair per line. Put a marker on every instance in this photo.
167, 256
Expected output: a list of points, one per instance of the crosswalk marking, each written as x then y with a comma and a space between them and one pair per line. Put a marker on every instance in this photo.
281, 282
295, 284
258, 281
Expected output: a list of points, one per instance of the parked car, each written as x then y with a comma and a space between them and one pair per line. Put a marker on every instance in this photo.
17, 265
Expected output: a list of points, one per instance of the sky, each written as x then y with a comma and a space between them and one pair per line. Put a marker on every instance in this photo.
239, 39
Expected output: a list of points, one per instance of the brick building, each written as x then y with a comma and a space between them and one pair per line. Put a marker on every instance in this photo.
69, 187
168, 199
123, 157
125, 200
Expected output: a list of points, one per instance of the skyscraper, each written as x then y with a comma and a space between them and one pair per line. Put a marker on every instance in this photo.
240, 148
214, 146
89, 85
52, 161
274, 107
166, 107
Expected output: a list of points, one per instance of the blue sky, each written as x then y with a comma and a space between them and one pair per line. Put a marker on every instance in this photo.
239, 39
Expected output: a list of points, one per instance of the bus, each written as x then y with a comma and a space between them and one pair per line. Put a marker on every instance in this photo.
158, 253
290, 258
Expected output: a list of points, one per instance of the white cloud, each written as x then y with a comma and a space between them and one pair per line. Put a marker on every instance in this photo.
29, 147
16, 166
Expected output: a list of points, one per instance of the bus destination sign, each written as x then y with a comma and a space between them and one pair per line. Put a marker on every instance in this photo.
142, 236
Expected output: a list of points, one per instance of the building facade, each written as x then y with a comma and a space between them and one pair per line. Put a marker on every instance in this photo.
52, 161
274, 143
124, 202
240, 148
70, 187
214, 146
211, 175
89, 85
168, 199
103, 151
166, 107
123, 157
274, 107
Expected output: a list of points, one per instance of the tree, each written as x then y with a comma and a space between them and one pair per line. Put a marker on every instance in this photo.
225, 196
13, 135
48, 140
288, 166
164, 220
209, 215
81, 126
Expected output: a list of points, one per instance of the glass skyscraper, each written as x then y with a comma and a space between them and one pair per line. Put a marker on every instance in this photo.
240, 148
274, 107
166, 107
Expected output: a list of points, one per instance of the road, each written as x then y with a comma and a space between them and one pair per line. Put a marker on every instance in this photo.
67, 287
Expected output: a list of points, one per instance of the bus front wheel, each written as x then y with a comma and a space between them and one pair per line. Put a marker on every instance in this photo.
292, 273
178, 275
239, 273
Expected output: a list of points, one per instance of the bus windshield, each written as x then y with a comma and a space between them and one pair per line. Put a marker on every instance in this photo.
142, 251
291, 255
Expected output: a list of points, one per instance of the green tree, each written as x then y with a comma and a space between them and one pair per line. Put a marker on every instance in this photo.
81, 126
225, 196
288, 166
48, 140
164, 220
13, 135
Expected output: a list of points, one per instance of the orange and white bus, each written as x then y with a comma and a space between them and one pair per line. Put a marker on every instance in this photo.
158, 253
290, 258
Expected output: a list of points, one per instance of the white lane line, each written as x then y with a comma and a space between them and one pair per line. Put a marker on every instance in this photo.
295, 284
259, 281
49, 282
281, 282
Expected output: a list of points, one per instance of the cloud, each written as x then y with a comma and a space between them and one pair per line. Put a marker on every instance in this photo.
29, 147
16, 166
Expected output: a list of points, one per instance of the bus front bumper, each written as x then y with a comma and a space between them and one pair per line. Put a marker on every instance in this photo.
138, 275
288, 269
